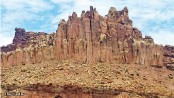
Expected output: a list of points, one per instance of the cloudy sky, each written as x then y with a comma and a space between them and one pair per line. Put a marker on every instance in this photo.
152, 17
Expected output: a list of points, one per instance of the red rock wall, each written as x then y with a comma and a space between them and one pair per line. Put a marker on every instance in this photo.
23, 39
89, 38
27, 48
27, 56
169, 57
93, 38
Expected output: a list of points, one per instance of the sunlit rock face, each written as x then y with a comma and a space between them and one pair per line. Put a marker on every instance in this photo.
89, 38
28, 48
23, 39
111, 38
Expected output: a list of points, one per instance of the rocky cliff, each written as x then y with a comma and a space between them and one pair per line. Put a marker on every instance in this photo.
27, 48
89, 38
23, 39
94, 38
169, 57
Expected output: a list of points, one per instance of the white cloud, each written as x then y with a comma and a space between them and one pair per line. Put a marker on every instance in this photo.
31, 5
163, 37
61, 1
16, 13
5, 39
17, 17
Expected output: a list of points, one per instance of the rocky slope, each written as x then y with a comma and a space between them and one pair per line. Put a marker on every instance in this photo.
103, 55
99, 80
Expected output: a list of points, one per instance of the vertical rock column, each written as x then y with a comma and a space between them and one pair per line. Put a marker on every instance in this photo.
60, 37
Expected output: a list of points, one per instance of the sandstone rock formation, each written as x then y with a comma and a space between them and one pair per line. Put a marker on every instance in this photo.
169, 57
94, 38
25, 39
27, 48
89, 38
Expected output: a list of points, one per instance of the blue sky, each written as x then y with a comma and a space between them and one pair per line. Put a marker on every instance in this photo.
152, 17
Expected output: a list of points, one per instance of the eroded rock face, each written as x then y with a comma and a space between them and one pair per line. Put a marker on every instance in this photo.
169, 57
88, 39
25, 39
27, 56
28, 48
94, 38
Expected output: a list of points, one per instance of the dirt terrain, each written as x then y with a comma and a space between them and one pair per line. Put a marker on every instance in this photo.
68, 78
